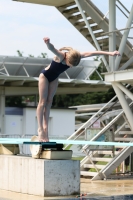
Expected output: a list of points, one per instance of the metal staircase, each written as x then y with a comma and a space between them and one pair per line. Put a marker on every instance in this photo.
91, 166
99, 164
99, 25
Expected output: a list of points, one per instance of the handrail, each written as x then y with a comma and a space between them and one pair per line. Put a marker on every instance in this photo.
106, 128
115, 31
123, 6
86, 123
121, 11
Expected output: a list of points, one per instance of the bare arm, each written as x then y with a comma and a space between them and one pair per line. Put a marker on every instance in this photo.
95, 53
51, 47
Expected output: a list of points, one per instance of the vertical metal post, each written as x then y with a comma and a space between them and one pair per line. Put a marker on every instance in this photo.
124, 38
2, 110
124, 105
112, 36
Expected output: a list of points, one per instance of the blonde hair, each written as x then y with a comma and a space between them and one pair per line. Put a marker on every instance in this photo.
73, 56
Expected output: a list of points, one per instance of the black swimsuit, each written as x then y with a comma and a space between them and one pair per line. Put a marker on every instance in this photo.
54, 70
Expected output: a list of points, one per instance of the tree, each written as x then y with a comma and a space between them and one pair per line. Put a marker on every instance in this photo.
43, 55
20, 54
101, 69
14, 101
31, 55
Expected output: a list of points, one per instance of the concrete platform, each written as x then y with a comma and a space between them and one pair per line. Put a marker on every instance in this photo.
38, 176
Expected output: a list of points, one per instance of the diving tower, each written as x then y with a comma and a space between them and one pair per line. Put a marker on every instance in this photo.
102, 33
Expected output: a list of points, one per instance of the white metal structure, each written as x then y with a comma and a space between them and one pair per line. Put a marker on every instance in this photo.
103, 34
23, 72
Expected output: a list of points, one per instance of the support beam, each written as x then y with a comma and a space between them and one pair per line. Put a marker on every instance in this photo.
124, 39
112, 36
91, 32
124, 105
2, 110
125, 90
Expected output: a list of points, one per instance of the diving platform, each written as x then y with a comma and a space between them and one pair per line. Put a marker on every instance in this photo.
39, 176
52, 173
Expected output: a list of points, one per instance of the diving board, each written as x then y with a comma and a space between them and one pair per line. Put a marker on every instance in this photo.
27, 141
54, 148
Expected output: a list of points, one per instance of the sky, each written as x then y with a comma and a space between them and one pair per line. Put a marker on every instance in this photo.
23, 27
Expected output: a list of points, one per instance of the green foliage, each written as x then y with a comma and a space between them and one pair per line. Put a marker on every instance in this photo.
77, 158
14, 101
43, 55
20, 54
101, 69
82, 99
31, 55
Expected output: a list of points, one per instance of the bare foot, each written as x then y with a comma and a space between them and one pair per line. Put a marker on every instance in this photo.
42, 136
46, 137
45, 130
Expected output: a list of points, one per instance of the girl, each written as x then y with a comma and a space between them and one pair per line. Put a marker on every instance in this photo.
48, 81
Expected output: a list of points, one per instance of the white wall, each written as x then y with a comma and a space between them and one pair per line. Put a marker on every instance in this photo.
30, 125
61, 123
13, 125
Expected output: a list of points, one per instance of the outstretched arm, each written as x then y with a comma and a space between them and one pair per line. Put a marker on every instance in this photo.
95, 53
51, 47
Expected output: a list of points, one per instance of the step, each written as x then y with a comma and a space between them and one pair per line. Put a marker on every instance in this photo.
104, 41
91, 166
70, 11
105, 152
85, 173
75, 17
82, 23
127, 126
119, 147
101, 159
125, 132
94, 28
123, 139
97, 35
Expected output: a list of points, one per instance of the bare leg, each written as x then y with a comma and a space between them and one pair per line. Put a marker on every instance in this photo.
43, 94
51, 92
